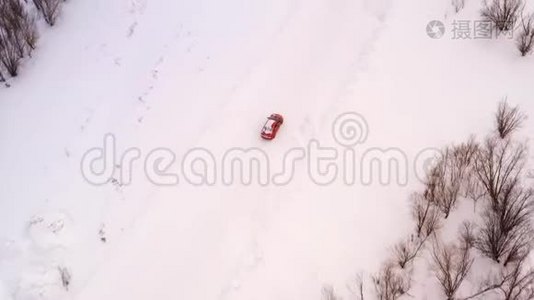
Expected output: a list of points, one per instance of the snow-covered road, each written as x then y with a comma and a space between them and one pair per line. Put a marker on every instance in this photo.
231, 242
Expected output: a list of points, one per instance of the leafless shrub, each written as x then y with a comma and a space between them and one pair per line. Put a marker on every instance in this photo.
420, 211
525, 40
473, 188
426, 216
65, 277
446, 178
452, 263
18, 34
49, 9
465, 153
19, 25
432, 222
516, 282
329, 293
391, 283
507, 234
356, 288
499, 164
467, 235
503, 13
438, 191
508, 119
30, 33
407, 250
8, 54
458, 5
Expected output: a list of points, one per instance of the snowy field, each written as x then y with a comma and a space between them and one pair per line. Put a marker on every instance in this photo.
185, 75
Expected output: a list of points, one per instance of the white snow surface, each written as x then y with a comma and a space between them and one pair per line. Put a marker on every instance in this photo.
185, 74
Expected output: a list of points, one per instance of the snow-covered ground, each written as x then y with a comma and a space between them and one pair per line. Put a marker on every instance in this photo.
205, 74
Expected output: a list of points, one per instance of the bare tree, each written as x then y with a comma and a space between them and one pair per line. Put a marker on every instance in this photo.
391, 283
507, 234
9, 55
18, 34
446, 179
515, 282
518, 282
473, 188
451, 265
432, 222
525, 40
329, 293
407, 250
29, 32
420, 212
503, 13
19, 25
465, 153
66, 277
458, 5
426, 216
515, 212
498, 164
467, 235
357, 288
49, 9
508, 119
439, 192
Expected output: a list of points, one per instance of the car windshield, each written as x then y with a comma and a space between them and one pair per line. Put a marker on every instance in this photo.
268, 127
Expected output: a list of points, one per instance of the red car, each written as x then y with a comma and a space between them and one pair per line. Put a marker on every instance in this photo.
271, 126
